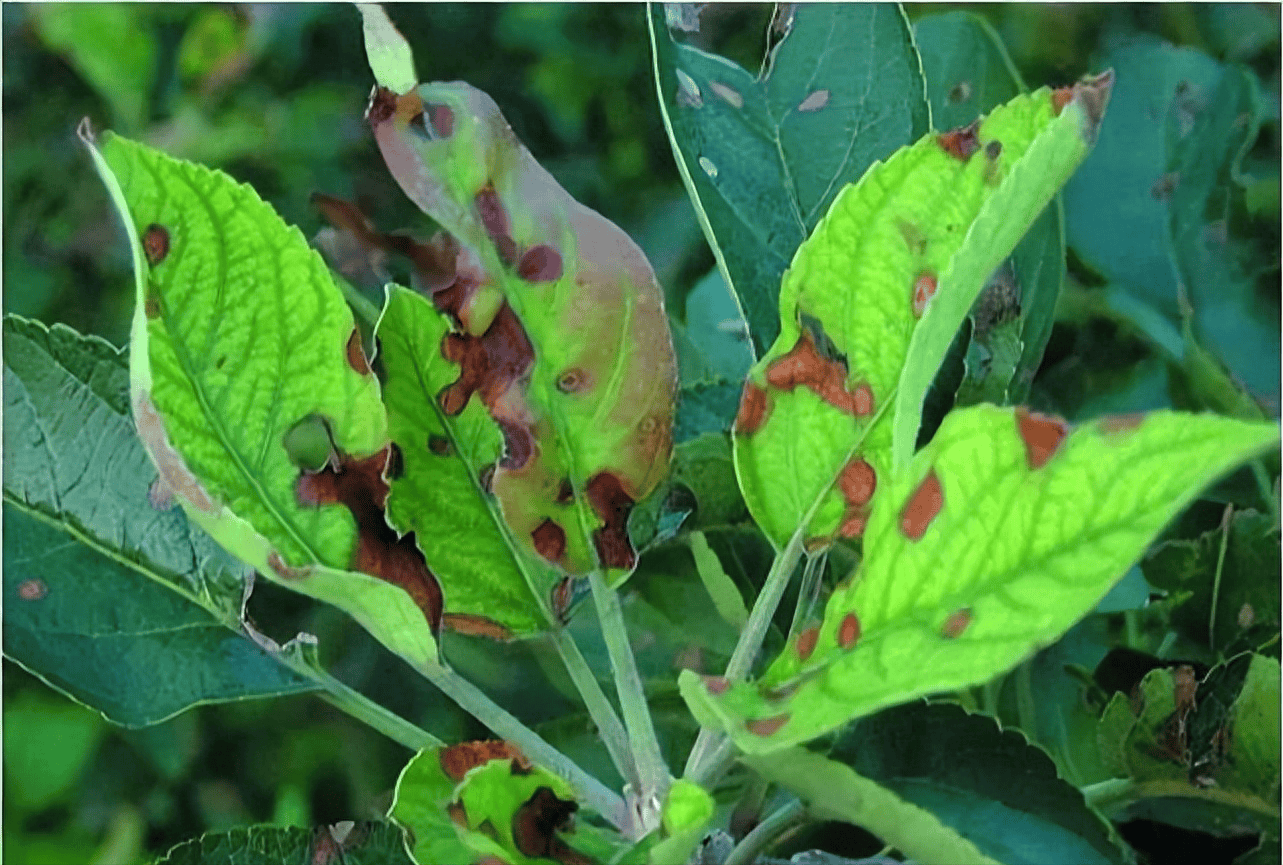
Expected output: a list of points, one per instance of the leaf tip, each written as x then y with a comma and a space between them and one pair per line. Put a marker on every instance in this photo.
390, 57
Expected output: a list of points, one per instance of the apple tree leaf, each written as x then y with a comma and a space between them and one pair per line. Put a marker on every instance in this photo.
1006, 530
916, 238
763, 156
559, 325
345, 843
242, 345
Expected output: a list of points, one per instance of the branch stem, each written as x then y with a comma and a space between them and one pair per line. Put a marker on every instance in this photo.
363, 709
770, 831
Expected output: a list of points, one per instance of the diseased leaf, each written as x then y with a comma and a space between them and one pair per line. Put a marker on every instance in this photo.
687, 812
464, 803
120, 606
991, 785
346, 843
941, 214
239, 336
764, 156
560, 326
490, 583
1006, 530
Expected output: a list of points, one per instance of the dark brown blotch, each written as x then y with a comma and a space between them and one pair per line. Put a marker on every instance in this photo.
535, 826
922, 507
356, 354
155, 243
612, 505
457, 760
565, 492
518, 445
440, 445
717, 685
33, 589
854, 522
151, 306
956, 624
993, 150
849, 631
396, 463
826, 376
563, 595
924, 288
753, 409
540, 263
458, 814
857, 482
382, 106
490, 364
961, 143
767, 726
1042, 435
476, 626
806, 642
574, 380
550, 540
494, 217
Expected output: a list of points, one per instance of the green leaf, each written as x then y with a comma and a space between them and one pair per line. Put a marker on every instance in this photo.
1245, 598
835, 792
560, 326
706, 407
391, 59
687, 812
1003, 533
721, 588
129, 610
490, 583
992, 786
48, 744
462, 803
764, 156
240, 335
851, 338
364, 843
714, 336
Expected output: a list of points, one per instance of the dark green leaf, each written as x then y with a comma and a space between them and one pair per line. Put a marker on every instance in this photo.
365, 843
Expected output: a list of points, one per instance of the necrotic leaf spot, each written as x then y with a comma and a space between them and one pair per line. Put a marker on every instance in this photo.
155, 243
356, 355
854, 524
924, 288
815, 101
962, 142
32, 590
956, 624
922, 507
550, 540
716, 685
1041, 434
857, 482
806, 642
767, 726
541, 263
849, 631
439, 445
752, 410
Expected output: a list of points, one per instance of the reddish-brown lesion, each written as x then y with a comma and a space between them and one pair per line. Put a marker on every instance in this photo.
956, 624
804, 365
1060, 97
457, 760
922, 507
550, 541
754, 407
359, 485
806, 642
849, 631
857, 483
1041, 434
476, 626
540, 263
155, 243
489, 365
535, 826
612, 505
494, 218
356, 354
924, 288
767, 726
961, 143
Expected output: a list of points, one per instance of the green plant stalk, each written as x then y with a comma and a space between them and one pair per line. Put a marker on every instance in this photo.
651, 769
809, 590
1116, 793
472, 700
1267, 493
603, 714
770, 831
363, 709
1216, 581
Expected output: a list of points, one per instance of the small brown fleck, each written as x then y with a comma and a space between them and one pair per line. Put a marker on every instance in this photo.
857, 482
752, 410
565, 492
440, 445
458, 814
574, 380
956, 624
1060, 97
961, 143
849, 631
395, 469
767, 726
716, 685
993, 150
476, 626
806, 642
853, 524
284, 571
960, 92
924, 288
563, 595
922, 507
1041, 434
151, 306
356, 354
814, 101
156, 243
541, 263
535, 824
862, 400
550, 540
32, 589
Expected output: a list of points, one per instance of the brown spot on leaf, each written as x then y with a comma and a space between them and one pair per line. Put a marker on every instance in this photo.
814, 101
32, 589
862, 399
457, 760
752, 410
541, 263
489, 364
717, 685
805, 365
728, 94
440, 445
518, 445
174, 473
458, 814
1060, 97
382, 106
849, 631
922, 507
550, 540
396, 463
806, 642
476, 626
574, 380
993, 150
563, 595
565, 492
494, 216
924, 288
535, 826
956, 624
961, 143
857, 482
485, 477
960, 92
358, 484
155, 243
767, 726
854, 522
356, 354
151, 306
612, 505
284, 571
1041, 434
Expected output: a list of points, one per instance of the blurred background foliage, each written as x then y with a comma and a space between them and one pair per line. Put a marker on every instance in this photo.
274, 94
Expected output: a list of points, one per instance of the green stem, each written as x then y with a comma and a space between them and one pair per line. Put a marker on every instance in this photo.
651, 769
473, 701
1216, 580
599, 709
770, 831
369, 712
809, 590
1267, 493
1104, 794
750, 642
